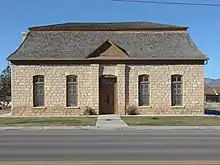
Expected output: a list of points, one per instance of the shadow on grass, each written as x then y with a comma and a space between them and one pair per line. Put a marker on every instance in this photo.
211, 112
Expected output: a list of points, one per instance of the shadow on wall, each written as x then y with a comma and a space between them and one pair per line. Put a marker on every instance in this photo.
211, 112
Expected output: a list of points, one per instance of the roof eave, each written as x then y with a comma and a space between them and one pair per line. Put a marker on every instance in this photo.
9, 58
107, 59
108, 29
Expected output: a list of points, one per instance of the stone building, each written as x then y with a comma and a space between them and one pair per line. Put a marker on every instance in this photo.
60, 69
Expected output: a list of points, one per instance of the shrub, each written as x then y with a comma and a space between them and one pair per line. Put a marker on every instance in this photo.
89, 111
132, 110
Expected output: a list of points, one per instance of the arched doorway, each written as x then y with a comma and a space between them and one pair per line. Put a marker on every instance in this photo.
107, 94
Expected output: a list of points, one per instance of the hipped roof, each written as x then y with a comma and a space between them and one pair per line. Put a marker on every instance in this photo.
50, 44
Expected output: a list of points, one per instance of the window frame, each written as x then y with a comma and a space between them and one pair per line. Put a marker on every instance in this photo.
176, 92
74, 84
143, 80
38, 82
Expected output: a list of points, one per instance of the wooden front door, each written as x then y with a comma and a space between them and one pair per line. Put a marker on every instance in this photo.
107, 95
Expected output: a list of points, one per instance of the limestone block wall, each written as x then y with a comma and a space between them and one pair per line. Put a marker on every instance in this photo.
160, 89
55, 89
88, 88
121, 88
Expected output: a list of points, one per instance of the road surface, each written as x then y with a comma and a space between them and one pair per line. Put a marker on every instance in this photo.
112, 146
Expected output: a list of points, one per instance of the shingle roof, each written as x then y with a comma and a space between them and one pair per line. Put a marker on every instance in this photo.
107, 26
217, 89
209, 91
73, 45
212, 90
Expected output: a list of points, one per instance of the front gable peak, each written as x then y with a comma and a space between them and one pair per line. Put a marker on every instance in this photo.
108, 49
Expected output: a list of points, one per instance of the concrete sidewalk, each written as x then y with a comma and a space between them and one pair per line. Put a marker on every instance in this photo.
110, 121
5, 115
116, 127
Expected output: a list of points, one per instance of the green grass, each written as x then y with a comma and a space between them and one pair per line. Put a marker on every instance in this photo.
172, 121
47, 121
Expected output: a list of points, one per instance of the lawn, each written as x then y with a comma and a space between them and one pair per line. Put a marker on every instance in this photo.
172, 121
47, 121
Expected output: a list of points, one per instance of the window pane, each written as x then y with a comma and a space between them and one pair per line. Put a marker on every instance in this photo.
71, 78
140, 79
147, 89
173, 78
178, 86
176, 100
41, 79
38, 91
38, 78
40, 100
145, 78
141, 86
71, 95
143, 89
74, 89
72, 100
178, 78
173, 88
70, 86
147, 100
143, 93
142, 100
176, 91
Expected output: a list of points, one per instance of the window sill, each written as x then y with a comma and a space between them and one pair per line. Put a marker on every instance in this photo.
72, 107
40, 107
145, 106
179, 106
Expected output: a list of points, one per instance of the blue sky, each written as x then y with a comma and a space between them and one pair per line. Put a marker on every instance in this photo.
16, 16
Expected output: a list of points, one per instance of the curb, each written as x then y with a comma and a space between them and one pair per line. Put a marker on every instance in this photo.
109, 128
174, 127
44, 128
47, 128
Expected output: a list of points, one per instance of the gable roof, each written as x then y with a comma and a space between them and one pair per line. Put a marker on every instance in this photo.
79, 45
107, 26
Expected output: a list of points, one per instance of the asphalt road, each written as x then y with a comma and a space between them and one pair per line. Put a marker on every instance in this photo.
112, 146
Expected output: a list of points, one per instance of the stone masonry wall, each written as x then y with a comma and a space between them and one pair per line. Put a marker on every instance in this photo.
55, 89
88, 88
160, 89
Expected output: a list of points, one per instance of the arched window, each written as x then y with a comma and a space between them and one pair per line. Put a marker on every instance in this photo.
143, 90
71, 83
38, 86
176, 89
